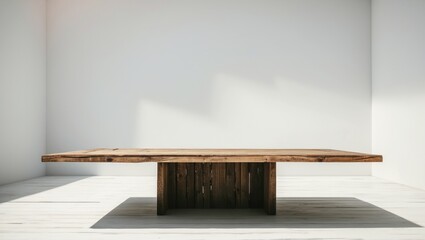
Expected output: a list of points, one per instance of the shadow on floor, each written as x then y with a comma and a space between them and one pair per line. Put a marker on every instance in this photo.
291, 213
18, 190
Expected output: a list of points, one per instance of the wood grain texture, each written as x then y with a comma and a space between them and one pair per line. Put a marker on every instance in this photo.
199, 195
190, 185
238, 185
181, 197
256, 185
206, 176
230, 185
162, 189
270, 188
171, 185
244, 176
134, 155
217, 185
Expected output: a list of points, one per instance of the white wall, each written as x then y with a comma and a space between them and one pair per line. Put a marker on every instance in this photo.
398, 29
22, 89
233, 74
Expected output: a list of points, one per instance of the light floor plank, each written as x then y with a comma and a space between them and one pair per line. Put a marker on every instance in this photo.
125, 208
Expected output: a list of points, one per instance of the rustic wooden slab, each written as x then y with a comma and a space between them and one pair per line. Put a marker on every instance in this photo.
214, 178
210, 155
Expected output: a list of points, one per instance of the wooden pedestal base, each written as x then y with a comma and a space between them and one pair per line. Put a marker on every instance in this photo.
216, 185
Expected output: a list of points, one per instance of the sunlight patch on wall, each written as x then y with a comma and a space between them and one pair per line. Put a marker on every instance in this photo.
249, 114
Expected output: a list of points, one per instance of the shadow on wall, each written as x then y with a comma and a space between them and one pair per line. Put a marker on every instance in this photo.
291, 213
19, 190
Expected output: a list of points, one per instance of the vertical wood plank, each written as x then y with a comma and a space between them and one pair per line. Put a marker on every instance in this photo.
199, 196
218, 193
206, 167
162, 189
256, 197
230, 185
237, 185
181, 185
270, 188
260, 177
244, 177
266, 186
190, 185
171, 185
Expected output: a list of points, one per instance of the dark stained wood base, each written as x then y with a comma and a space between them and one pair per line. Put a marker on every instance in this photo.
216, 185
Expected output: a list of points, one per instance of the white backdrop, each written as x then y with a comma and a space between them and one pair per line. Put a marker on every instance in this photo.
216, 74
22, 89
399, 90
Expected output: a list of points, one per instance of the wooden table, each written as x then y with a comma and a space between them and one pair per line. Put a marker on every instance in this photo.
213, 178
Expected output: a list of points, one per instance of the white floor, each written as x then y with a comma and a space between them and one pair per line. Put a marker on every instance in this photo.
124, 208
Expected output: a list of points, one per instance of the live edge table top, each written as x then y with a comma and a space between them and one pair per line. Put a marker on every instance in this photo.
135, 155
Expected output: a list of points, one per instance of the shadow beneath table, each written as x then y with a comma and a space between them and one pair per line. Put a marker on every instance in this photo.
25, 188
291, 213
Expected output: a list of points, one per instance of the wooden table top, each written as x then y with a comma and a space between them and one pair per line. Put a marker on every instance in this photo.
134, 155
